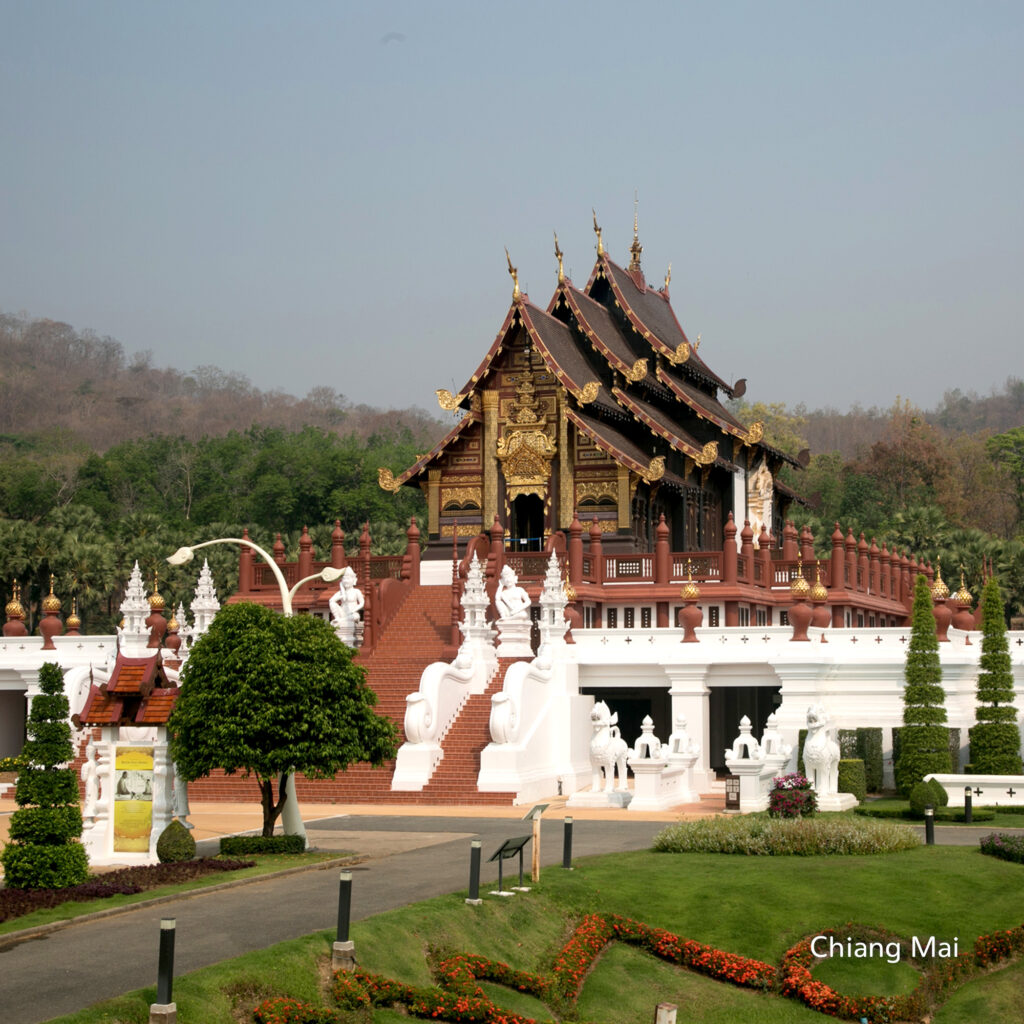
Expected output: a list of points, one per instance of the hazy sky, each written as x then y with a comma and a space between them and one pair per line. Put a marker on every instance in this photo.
319, 193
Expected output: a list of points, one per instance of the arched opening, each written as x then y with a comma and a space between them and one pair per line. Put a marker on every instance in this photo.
526, 524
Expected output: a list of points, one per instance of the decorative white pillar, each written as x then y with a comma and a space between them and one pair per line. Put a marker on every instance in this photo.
691, 698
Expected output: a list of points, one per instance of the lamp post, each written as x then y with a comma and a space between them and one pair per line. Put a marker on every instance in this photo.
291, 819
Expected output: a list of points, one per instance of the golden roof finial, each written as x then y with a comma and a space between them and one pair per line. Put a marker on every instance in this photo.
516, 294
14, 607
636, 248
597, 231
818, 591
74, 622
559, 254
668, 276
963, 595
156, 601
939, 589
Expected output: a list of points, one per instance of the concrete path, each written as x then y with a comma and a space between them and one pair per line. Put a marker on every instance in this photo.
410, 859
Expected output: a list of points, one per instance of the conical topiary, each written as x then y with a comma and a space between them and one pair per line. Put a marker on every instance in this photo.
924, 738
43, 852
995, 740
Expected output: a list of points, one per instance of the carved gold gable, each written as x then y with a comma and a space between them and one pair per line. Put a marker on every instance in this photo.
525, 457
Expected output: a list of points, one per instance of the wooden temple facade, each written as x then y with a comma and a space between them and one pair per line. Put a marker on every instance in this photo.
596, 407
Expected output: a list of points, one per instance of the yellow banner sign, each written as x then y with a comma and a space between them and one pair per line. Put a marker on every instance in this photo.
133, 799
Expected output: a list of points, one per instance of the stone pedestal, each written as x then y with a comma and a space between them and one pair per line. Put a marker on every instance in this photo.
343, 956
163, 1013
837, 802
514, 638
753, 796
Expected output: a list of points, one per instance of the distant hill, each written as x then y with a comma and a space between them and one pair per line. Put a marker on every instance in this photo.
55, 377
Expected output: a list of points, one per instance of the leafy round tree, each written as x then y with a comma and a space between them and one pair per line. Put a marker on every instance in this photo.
924, 738
43, 852
995, 740
263, 694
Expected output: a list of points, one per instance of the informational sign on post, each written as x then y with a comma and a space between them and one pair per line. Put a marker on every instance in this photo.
133, 799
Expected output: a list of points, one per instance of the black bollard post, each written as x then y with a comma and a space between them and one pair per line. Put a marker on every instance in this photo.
567, 845
929, 825
968, 806
474, 874
344, 905
343, 952
165, 968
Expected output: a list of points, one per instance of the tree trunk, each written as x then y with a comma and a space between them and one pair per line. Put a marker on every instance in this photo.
272, 811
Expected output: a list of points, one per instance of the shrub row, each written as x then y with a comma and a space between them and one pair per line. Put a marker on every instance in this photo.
941, 813
126, 881
247, 845
784, 836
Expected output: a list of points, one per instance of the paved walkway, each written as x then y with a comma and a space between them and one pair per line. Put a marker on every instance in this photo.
410, 856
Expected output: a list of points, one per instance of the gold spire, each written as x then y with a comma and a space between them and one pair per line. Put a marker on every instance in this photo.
963, 595
668, 276
51, 603
559, 254
74, 622
636, 248
690, 591
939, 589
514, 274
799, 588
14, 608
597, 231
156, 601
818, 591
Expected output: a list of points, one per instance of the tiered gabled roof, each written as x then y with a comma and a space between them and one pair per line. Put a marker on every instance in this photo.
138, 692
634, 382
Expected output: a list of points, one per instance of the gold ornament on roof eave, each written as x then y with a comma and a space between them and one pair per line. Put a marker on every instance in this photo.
655, 470
707, 455
588, 392
447, 400
755, 433
939, 589
681, 354
637, 372
386, 479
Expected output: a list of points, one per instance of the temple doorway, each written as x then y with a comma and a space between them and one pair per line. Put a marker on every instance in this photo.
526, 524
727, 705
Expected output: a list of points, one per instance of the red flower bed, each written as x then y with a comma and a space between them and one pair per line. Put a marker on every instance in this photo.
458, 997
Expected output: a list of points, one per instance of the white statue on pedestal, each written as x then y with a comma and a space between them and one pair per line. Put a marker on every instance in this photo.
511, 600
345, 605
821, 752
92, 785
607, 749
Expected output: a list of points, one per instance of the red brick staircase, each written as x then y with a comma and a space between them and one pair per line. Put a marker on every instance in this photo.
454, 779
415, 637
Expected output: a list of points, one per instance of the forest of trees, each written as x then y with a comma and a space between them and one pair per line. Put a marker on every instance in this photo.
105, 459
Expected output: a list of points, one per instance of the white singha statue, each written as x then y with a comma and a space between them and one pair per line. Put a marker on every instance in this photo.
511, 600
607, 749
345, 605
821, 752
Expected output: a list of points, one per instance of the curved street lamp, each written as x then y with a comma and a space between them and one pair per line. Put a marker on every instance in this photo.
291, 819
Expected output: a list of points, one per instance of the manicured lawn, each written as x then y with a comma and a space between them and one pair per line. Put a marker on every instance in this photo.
753, 906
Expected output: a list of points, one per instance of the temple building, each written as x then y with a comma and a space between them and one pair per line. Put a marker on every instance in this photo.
598, 407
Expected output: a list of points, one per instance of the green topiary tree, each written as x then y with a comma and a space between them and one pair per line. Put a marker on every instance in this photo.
176, 844
43, 852
924, 739
995, 740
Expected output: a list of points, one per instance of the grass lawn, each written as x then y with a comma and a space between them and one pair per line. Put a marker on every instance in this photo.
1002, 819
265, 864
753, 906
